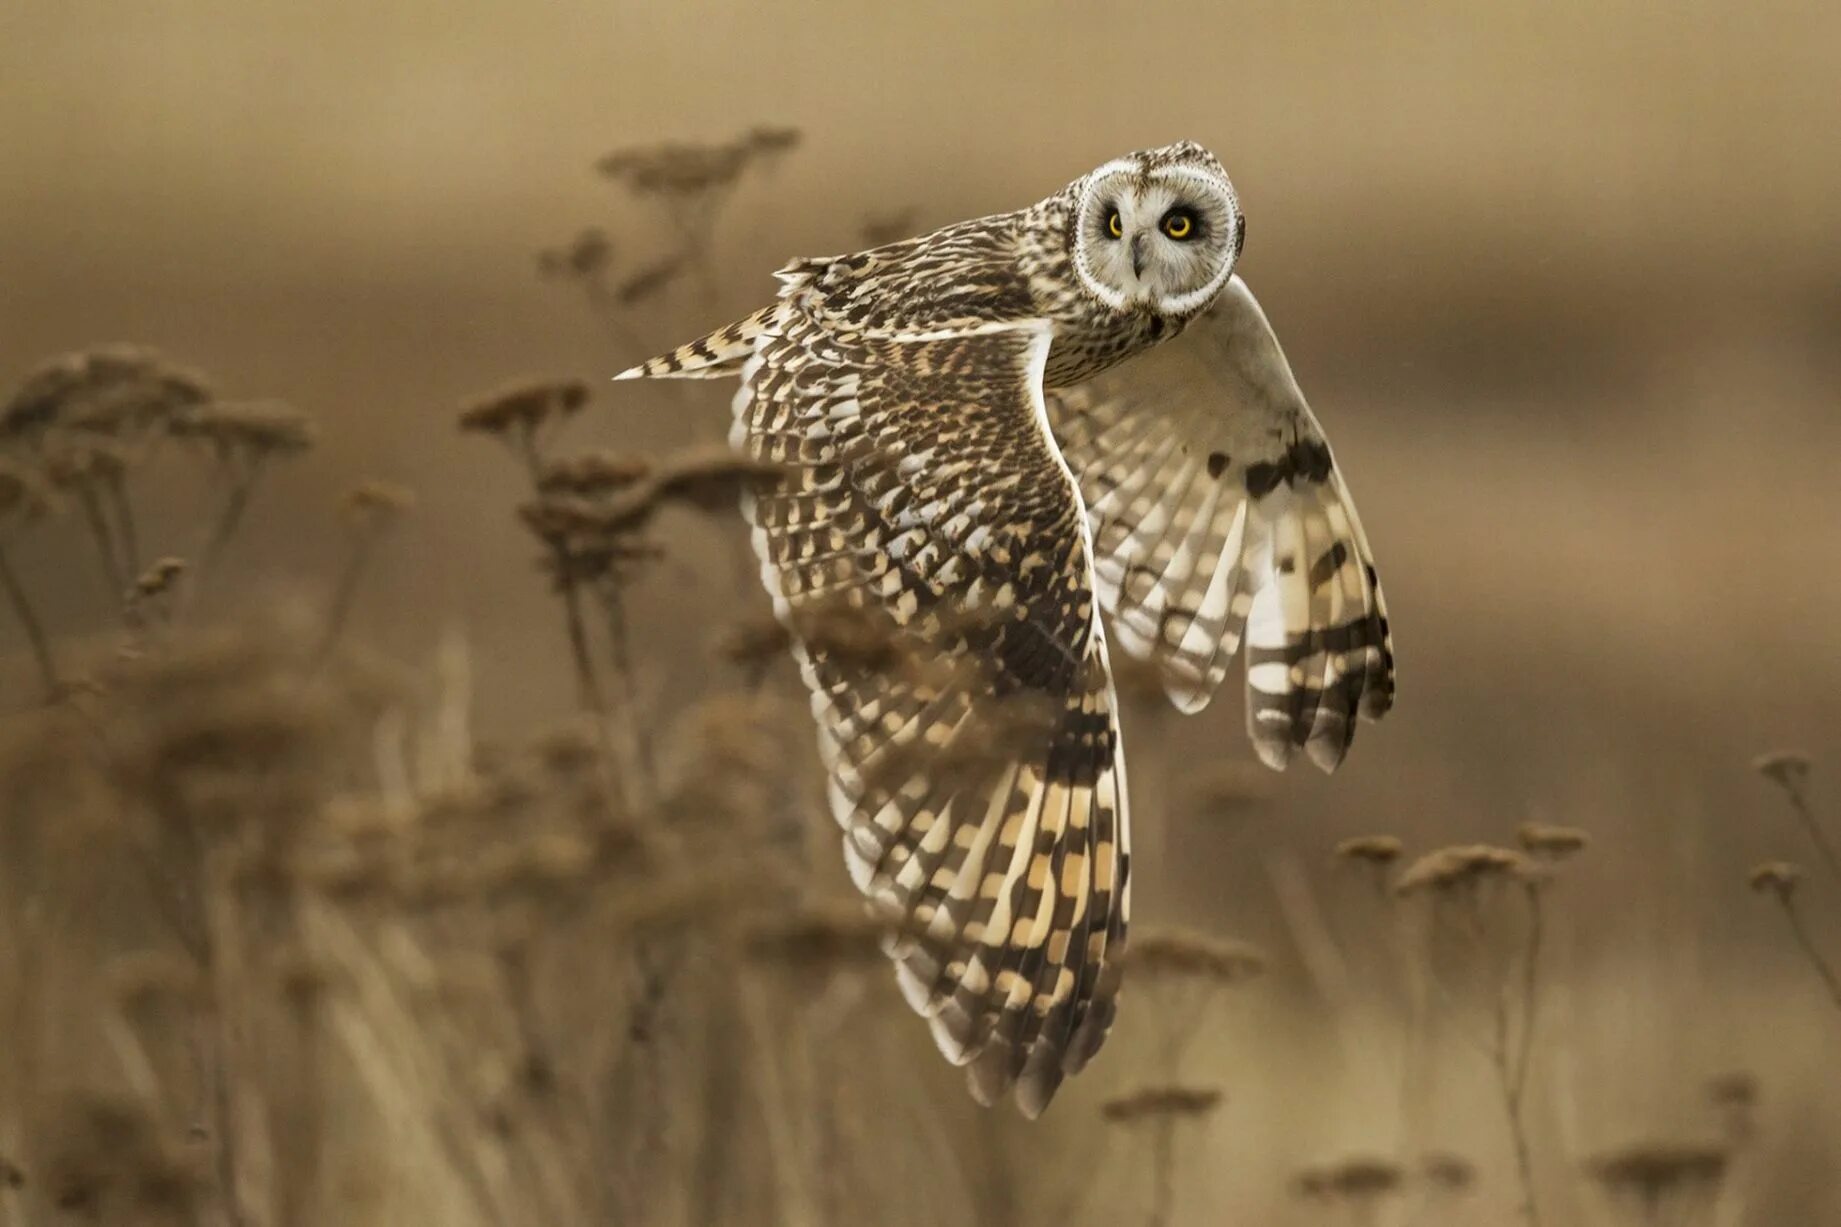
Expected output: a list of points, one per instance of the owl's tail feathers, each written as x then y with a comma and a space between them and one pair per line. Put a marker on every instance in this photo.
716, 356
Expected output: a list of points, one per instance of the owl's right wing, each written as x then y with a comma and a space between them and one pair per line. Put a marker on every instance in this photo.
1216, 508
928, 552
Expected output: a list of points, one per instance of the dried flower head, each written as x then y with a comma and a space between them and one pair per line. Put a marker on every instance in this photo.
524, 406
588, 253
373, 504
1181, 953
676, 170
772, 138
1461, 867
1359, 1178
1652, 1171
1161, 1102
1776, 877
593, 473
1785, 768
244, 433
102, 390
1550, 842
1376, 850
158, 579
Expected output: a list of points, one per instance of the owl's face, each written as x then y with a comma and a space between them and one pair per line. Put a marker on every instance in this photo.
1157, 231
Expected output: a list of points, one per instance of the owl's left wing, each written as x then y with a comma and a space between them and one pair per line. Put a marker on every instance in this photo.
927, 548
1216, 508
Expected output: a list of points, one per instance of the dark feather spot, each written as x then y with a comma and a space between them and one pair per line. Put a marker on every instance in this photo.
1217, 464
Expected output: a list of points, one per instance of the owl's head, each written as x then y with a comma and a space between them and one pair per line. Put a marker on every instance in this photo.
1157, 230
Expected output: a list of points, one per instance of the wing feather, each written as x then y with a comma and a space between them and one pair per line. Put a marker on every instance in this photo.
1218, 514
929, 553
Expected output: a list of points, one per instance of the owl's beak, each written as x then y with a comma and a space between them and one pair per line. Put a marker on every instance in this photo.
1137, 255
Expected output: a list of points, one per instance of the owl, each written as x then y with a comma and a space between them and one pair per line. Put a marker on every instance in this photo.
988, 435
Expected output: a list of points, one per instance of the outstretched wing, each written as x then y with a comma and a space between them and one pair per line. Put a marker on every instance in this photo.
1216, 507
929, 552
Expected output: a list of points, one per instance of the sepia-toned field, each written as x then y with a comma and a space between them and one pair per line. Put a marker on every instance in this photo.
408, 813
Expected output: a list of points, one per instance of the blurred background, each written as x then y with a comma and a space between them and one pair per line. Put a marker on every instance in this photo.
1563, 285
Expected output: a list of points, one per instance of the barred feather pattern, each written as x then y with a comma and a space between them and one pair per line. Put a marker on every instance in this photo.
976, 764
1217, 510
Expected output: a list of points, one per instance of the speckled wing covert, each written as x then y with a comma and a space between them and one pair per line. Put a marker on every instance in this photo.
929, 553
1216, 506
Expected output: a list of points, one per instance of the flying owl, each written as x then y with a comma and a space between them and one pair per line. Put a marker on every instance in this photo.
981, 452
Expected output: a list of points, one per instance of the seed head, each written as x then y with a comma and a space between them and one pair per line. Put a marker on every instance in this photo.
1179, 954
1446, 871
524, 406
1551, 843
1376, 850
1653, 1170
1785, 768
246, 432
101, 391
589, 474
1779, 878
1161, 1101
372, 504
159, 578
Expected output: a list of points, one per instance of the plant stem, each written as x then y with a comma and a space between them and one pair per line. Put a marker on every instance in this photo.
126, 532
231, 515
34, 629
1163, 1171
634, 768
105, 544
1817, 835
344, 595
1821, 965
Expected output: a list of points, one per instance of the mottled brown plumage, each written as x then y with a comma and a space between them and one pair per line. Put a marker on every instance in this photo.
954, 497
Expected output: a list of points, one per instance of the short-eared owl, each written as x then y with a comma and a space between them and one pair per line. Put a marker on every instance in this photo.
977, 460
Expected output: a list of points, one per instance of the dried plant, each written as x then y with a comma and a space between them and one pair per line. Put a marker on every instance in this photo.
1358, 1186
369, 511
1464, 885
1781, 881
1547, 842
1160, 1110
243, 439
1790, 770
1654, 1183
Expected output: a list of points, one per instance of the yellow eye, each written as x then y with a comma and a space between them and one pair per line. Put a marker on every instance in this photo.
1178, 225
1115, 225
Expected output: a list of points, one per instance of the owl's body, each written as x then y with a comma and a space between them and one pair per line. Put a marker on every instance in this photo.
972, 470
